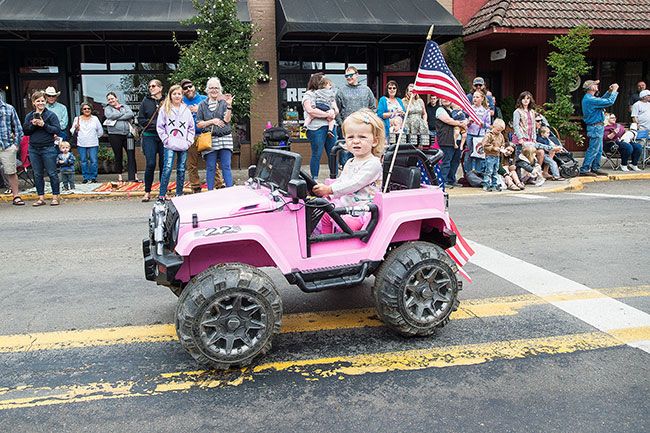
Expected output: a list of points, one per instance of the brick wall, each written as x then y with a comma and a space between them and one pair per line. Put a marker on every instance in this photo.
463, 10
265, 95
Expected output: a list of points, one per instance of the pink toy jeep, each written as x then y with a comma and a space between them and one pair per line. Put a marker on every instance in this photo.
208, 249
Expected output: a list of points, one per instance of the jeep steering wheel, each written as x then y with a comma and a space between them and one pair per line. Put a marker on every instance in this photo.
311, 183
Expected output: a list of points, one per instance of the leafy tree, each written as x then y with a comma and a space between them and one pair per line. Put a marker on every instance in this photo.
567, 64
455, 55
222, 49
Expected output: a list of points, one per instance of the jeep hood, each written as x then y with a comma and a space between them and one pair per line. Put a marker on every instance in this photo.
223, 203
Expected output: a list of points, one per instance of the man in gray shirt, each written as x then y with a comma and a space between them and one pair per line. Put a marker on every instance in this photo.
354, 96
350, 98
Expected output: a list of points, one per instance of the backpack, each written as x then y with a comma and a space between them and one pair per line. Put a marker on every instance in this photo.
567, 164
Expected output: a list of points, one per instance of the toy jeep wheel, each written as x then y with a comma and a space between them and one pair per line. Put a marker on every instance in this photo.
228, 315
415, 289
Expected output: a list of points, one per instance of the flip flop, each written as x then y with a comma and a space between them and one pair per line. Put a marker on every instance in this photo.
54, 202
17, 201
146, 199
38, 203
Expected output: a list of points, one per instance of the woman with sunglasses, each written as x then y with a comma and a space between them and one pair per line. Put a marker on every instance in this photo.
390, 105
152, 146
88, 129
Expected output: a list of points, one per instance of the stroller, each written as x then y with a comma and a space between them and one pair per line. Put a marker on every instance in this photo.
567, 164
277, 138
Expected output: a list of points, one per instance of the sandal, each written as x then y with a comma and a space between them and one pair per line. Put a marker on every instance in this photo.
146, 198
54, 202
38, 203
18, 201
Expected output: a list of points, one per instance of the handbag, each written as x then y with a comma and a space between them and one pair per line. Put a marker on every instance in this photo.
204, 141
75, 135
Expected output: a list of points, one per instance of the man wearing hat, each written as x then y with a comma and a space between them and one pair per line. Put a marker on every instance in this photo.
51, 95
641, 110
192, 99
479, 84
593, 114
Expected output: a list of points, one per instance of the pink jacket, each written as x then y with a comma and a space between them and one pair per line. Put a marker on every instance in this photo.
176, 128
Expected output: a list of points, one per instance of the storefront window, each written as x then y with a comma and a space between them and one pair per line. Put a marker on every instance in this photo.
40, 61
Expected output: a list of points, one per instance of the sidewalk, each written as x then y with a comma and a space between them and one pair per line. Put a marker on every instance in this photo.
106, 187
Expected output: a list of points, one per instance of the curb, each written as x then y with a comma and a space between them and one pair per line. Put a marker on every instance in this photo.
574, 184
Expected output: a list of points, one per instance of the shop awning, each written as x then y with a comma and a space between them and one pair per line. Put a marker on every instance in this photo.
100, 15
369, 20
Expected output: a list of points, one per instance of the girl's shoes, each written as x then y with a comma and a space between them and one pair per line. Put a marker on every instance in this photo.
146, 198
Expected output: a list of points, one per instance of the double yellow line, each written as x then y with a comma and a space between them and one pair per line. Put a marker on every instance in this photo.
291, 323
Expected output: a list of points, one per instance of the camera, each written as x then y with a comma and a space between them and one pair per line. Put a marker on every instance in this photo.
38, 116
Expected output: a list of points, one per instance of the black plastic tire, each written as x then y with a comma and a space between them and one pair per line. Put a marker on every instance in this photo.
416, 289
227, 315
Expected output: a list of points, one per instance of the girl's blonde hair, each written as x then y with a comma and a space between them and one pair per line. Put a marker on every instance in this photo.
484, 102
63, 144
529, 153
167, 105
499, 122
543, 129
366, 116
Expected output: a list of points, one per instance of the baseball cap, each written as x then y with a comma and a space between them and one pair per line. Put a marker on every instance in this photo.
644, 93
185, 82
587, 84
478, 80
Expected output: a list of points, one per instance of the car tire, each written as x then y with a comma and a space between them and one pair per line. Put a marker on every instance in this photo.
227, 315
416, 289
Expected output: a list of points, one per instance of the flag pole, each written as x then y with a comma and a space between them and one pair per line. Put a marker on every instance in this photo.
401, 132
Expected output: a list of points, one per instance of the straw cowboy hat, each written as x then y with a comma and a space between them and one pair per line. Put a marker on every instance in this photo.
51, 91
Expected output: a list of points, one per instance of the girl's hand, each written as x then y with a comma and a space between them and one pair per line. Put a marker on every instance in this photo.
322, 190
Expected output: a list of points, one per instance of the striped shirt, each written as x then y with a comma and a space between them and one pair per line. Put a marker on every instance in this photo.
11, 131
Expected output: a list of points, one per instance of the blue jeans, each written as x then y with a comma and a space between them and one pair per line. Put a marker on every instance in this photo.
491, 169
44, 159
181, 157
595, 149
450, 163
319, 141
224, 156
152, 146
88, 161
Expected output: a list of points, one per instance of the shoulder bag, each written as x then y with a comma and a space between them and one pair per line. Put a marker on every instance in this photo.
204, 141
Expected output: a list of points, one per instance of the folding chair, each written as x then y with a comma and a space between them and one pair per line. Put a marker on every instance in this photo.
642, 139
612, 155
23, 165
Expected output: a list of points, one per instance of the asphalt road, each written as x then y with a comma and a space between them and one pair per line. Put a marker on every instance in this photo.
508, 361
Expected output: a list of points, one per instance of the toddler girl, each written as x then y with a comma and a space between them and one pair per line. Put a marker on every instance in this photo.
65, 161
360, 179
529, 170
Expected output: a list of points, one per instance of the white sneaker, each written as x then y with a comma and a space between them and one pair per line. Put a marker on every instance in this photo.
634, 167
540, 182
624, 168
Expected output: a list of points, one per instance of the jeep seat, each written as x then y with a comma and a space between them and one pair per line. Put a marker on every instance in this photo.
403, 178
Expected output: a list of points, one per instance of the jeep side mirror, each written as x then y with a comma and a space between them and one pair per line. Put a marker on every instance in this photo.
252, 169
297, 190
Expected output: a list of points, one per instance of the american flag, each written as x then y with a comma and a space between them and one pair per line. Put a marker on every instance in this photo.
435, 78
461, 252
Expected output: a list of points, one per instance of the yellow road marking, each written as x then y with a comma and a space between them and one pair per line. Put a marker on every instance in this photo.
316, 369
302, 322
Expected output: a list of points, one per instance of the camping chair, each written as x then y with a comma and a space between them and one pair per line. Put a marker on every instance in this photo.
642, 139
612, 155
23, 165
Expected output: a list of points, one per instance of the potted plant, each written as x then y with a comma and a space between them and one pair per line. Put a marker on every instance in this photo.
105, 160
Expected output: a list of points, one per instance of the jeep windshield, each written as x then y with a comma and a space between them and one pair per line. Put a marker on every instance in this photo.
275, 168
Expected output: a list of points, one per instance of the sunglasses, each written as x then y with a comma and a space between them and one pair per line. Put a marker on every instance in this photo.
478, 85
187, 87
392, 88
350, 75
152, 85
85, 109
